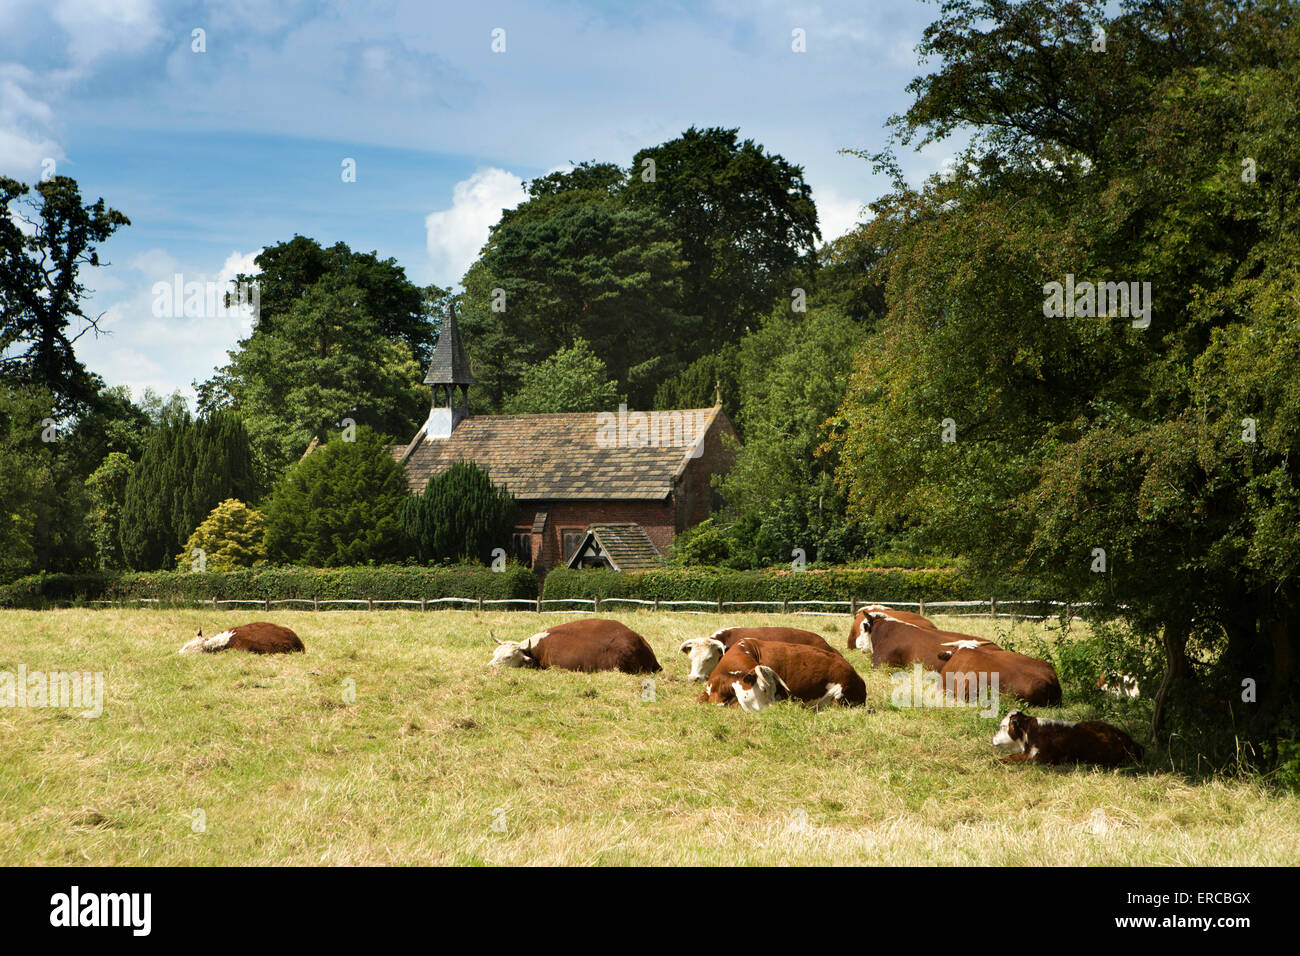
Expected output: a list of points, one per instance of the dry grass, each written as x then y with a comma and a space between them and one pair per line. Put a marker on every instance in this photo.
573, 769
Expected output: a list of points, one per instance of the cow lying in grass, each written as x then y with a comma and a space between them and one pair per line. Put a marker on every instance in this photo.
897, 643
705, 652
756, 674
256, 638
591, 644
1042, 740
1032, 680
857, 632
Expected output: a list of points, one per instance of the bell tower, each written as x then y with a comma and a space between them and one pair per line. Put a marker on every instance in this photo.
448, 372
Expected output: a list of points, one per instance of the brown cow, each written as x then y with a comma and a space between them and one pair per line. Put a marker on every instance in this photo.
256, 638
907, 617
755, 674
591, 644
893, 642
1041, 740
705, 652
1032, 680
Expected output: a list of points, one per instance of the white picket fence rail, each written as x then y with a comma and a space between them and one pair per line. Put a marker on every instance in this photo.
995, 607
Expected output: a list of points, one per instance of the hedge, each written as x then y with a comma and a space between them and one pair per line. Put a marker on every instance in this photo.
385, 583
772, 584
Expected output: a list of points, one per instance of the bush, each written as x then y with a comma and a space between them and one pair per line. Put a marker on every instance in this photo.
232, 536
460, 516
338, 506
276, 583
772, 584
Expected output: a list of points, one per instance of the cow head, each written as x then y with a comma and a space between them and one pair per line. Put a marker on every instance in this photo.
515, 653
704, 654
869, 620
759, 689
1013, 733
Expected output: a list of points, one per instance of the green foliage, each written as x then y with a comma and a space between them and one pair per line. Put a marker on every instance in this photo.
232, 536
339, 506
107, 490
460, 516
714, 584
43, 245
576, 264
1082, 432
697, 385
572, 380
744, 218
186, 470
378, 583
324, 359
29, 502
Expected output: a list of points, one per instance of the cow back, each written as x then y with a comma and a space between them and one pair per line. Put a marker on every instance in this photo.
595, 644
1032, 680
807, 670
730, 636
262, 637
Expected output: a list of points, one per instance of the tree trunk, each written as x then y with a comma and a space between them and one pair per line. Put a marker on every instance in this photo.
1174, 638
1278, 630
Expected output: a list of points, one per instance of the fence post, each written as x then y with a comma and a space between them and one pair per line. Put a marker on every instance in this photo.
785, 605
1069, 614
719, 605
922, 607
480, 602
424, 603
595, 604
214, 602
656, 602
315, 603
853, 606
370, 604
268, 604
993, 607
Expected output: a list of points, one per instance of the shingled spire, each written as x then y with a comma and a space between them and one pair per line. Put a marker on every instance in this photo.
448, 371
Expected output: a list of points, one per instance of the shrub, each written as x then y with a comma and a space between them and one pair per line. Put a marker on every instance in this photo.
379, 583
339, 506
232, 536
460, 516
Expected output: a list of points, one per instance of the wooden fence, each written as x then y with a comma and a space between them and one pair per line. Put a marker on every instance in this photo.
1032, 610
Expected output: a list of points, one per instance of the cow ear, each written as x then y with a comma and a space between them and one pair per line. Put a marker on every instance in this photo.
685, 648
944, 655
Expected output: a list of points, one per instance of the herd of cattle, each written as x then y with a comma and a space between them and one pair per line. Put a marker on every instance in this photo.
754, 667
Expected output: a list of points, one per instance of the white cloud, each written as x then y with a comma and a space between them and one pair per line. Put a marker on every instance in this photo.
837, 215
25, 125
455, 235
96, 28
144, 350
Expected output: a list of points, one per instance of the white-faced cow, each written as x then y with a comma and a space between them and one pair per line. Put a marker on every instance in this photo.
1118, 685
705, 652
898, 644
1041, 740
591, 644
856, 631
256, 638
1032, 680
756, 674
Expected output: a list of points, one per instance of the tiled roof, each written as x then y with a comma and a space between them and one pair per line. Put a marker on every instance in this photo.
573, 455
627, 547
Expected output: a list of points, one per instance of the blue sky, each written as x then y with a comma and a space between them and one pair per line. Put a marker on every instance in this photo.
216, 154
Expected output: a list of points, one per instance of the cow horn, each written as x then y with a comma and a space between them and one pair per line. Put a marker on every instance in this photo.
495, 638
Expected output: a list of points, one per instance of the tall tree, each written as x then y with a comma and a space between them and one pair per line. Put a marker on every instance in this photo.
460, 516
186, 470
571, 380
44, 243
339, 506
327, 360
744, 217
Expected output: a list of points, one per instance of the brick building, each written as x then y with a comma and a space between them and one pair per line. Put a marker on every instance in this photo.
594, 488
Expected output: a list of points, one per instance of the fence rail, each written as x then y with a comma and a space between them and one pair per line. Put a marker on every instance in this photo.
995, 608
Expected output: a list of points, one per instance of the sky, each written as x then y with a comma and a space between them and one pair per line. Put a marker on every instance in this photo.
404, 127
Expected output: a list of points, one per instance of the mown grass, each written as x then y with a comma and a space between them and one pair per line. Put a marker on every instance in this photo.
444, 760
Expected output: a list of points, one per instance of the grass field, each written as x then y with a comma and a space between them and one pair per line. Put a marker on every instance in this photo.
235, 759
